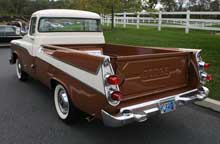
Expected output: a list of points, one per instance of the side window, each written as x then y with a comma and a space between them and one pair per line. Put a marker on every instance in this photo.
33, 26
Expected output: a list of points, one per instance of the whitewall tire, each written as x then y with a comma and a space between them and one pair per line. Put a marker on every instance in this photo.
64, 107
21, 75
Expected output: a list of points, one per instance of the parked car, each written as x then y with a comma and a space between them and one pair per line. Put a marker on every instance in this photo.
8, 33
20, 25
118, 84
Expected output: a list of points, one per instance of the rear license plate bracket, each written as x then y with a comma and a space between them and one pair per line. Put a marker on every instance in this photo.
167, 106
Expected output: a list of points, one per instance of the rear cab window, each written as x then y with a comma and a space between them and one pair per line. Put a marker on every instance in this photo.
69, 25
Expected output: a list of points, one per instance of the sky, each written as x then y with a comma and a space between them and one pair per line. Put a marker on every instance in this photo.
158, 6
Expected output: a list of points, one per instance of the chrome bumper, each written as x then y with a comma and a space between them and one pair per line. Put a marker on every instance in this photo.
141, 111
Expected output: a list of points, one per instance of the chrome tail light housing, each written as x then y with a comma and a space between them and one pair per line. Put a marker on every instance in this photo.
202, 68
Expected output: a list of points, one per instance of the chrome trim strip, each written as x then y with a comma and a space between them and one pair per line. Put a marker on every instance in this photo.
133, 113
152, 110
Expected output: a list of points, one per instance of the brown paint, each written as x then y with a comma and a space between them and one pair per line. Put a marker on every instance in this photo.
76, 58
84, 98
152, 75
147, 73
26, 59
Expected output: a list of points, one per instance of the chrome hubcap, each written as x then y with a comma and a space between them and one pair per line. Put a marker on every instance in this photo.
63, 101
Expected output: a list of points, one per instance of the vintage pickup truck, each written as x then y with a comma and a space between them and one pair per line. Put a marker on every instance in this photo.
119, 84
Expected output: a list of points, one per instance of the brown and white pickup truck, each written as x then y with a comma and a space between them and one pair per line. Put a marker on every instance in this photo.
66, 51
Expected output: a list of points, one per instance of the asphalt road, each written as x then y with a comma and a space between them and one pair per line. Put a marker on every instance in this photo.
27, 116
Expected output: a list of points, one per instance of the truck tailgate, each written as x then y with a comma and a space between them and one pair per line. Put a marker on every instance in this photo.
145, 75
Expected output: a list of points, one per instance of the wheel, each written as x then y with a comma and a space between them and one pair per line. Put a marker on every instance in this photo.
64, 107
21, 75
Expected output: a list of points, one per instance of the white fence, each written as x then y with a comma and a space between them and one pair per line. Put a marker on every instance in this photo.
168, 19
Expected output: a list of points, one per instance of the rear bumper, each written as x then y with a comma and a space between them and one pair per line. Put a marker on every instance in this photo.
141, 111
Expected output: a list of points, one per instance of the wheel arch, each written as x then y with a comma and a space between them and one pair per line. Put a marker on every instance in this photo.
14, 56
54, 81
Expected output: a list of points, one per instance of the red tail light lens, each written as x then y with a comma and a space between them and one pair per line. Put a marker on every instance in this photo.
206, 66
113, 80
209, 77
116, 96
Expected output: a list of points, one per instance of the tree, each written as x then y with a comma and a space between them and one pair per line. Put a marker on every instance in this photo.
149, 4
27, 7
13, 6
192, 2
203, 5
215, 5
169, 5
104, 6
180, 4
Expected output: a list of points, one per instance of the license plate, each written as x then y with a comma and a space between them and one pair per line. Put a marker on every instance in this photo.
167, 106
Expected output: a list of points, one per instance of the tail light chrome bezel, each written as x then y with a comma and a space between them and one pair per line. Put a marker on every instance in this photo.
111, 100
205, 77
202, 68
109, 88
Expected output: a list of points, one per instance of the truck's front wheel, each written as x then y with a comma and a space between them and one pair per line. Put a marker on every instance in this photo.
21, 75
64, 107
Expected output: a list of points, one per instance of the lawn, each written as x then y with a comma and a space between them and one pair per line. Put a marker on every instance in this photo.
209, 42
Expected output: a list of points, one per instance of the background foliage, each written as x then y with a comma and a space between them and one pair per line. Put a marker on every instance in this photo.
27, 7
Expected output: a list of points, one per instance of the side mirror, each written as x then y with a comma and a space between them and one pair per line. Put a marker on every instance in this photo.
23, 30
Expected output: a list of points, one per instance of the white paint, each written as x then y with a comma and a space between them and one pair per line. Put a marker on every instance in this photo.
95, 81
18, 69
70, 38
66, 13
33, 45
138, 20
189, 50
187, 22
146, 19
124, 22
25, 43
160, 21
59, 112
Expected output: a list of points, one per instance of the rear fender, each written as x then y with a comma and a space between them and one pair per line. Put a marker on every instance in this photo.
58, 81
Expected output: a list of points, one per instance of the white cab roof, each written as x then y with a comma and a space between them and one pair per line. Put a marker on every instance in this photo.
66, 13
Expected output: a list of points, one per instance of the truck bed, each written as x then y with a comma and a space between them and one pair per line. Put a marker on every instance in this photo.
148, 73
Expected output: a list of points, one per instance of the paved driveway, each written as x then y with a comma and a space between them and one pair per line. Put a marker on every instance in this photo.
27, 116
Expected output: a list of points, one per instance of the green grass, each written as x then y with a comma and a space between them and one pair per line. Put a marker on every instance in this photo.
67, 28
171, 37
